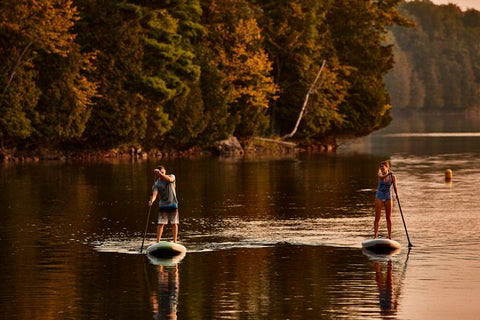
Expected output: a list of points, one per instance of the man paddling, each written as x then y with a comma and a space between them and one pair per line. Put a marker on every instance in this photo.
164, 186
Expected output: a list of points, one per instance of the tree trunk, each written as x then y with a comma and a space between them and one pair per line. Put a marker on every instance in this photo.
310, 91
19, 61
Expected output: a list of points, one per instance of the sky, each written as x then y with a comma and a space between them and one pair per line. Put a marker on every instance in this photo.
463, 4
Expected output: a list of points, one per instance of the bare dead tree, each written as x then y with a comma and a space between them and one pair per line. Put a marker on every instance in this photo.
313, 87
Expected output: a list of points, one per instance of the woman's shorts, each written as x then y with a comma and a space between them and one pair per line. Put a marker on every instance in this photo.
165, 215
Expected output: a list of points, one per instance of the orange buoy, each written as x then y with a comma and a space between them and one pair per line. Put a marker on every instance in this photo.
448, 175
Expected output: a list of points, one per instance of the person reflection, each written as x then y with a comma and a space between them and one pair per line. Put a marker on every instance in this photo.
165, 301
388, 303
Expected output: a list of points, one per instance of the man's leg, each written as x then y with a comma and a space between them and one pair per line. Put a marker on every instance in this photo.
175, 231
159, 232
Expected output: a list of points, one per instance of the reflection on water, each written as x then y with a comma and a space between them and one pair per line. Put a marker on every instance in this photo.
388, 304
164, 296
389, 286
432, 123
268, 238
433, 135
421, 135
281, 282
341, 232
166, 262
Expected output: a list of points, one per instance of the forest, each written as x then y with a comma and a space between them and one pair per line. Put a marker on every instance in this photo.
103, 74
437, 63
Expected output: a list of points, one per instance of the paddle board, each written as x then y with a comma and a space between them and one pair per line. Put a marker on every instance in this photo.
166, 249
379, 256
381, 245
166, 262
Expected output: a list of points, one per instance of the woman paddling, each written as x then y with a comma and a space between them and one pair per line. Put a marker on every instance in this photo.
384, 196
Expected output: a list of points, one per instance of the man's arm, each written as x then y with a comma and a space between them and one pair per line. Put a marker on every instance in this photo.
164, 176
154, 196
167, 177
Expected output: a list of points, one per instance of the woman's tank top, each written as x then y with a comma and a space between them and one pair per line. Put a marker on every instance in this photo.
383, 189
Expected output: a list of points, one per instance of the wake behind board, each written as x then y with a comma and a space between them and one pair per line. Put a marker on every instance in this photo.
379, 256
381, 245
166, 249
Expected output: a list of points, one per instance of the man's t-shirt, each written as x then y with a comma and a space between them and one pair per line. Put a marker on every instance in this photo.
166, 193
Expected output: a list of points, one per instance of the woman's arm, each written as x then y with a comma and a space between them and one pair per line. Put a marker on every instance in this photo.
383, 176
395, 185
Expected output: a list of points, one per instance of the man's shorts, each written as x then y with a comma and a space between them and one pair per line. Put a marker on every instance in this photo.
165, 215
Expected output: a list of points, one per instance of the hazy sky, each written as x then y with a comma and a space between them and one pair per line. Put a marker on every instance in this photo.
463, 4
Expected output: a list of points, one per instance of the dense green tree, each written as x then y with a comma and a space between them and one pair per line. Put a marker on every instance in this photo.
358, 32
120, 114
29, 29
236, 56
215, 98
168, 67
65, 104
19, 96
441, 54
180, 73
295, 41
144, 62
401, 75
350, 35
186, 110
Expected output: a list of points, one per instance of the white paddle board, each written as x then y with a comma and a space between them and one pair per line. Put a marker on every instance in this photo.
381, 245
166, 262
166, 249
380, 256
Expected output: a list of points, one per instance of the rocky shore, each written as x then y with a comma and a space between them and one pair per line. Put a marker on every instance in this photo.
228, 147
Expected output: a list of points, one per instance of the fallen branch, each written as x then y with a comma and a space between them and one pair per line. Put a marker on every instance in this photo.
284, 143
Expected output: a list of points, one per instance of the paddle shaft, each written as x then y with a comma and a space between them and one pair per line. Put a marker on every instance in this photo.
401, 213
146, 227
148, 220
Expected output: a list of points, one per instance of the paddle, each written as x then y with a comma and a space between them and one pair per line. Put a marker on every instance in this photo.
146, 227
148, 220
401, 213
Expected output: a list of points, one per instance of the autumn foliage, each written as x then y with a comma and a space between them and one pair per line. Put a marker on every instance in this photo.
182, 73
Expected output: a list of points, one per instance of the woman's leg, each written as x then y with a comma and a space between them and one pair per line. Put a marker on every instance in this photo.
388, 213
378, 212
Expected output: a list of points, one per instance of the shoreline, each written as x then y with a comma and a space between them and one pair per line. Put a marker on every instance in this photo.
253, 147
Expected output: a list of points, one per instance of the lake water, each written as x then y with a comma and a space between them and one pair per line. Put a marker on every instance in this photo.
268, 237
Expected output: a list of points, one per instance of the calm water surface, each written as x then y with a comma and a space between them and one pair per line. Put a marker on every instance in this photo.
268, 238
